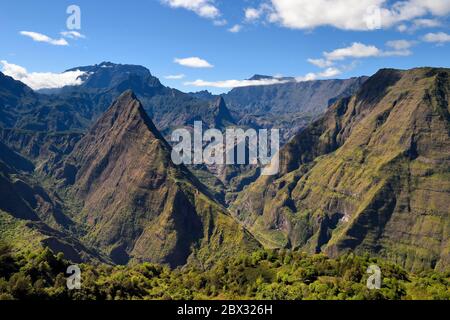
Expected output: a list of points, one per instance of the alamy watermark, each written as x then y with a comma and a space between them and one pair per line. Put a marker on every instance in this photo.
74, 20
374, 280
216, 148
74, 278
372, 18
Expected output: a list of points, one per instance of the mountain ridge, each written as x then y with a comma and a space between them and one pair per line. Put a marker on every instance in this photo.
352, 179
374, 162
137, 204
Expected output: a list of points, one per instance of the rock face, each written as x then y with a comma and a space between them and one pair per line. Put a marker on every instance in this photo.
137, 204
222, 116
372, 175
289, 106
290, 97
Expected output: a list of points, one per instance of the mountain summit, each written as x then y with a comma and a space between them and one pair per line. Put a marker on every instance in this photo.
136, 203
111, 75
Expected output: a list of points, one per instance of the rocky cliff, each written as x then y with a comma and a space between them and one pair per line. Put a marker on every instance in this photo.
372, 175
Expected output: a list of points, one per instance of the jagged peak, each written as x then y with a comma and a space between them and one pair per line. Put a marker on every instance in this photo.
220, 105
222, 113
220, 102
126, 103
127, 109
126, 96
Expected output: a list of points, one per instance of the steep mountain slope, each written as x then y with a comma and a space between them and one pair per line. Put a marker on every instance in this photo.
45, 149
372, 175
22, 108
139, 206
291, 97
32, 216
15, 99
288, 106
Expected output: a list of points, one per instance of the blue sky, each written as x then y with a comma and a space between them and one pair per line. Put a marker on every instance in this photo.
305, 39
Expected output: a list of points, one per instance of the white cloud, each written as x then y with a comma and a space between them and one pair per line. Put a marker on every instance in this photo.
42, 80
39, 37
353, 14
419, 24
193, 62
396, 53
234, 83
321, 63
308, 77
356, 50
400, 44
402, 28
401, 11
427, 23
204, 8
235, 29
330, 72
220, 22
228, 84
175, 77
439, 37
400, 48
359, 50
73, 35
252, 14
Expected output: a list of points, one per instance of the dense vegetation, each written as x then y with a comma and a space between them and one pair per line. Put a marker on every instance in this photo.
278, 274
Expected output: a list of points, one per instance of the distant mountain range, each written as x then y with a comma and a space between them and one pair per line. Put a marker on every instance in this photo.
77, 107
74, 109
86, 170
288, 106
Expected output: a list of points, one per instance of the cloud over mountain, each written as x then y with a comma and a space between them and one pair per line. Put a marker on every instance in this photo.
328, 73
42, 80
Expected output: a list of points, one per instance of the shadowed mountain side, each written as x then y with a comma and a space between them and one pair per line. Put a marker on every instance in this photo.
32, 216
